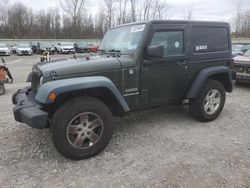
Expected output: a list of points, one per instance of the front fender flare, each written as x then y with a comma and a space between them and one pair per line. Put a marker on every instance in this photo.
73, 84
29, 78
202, 77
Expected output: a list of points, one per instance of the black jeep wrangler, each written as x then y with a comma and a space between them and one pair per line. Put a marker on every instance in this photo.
138, 66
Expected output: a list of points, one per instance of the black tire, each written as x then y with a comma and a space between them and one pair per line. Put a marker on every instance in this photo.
2, 89
197, 105
65, 115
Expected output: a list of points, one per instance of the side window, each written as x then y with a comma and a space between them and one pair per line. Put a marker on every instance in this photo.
210, 39
171, 40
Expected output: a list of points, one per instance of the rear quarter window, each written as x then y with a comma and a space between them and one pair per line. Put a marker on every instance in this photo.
210, 39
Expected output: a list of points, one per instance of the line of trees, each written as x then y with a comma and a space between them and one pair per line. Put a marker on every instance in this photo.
241, 23
72, 20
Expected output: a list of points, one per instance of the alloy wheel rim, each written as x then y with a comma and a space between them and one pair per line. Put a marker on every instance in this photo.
84, 130
212, 101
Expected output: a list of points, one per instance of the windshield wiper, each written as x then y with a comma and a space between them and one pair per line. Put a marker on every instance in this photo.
113, 52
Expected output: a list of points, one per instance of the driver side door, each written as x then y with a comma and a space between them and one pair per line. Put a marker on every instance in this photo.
165, 79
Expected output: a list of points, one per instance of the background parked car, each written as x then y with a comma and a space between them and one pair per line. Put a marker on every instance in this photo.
13, 49
4, 50
242, 67
65, 48
239, 49
245, 47
81, 47
24, 49
93, 48
45, 46
236, 49
34, 48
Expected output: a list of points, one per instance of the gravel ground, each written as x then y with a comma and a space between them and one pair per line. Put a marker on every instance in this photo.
161, 147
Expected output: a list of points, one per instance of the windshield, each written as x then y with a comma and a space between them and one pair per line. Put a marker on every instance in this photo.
23, 46
124, 39
237, 47
3, 46
247, 53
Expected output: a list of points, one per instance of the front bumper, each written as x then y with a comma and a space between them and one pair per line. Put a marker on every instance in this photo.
27, 110
68, 51
243, 77
3, 53
24, 53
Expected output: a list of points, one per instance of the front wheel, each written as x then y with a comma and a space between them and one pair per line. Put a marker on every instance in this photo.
209, 103
81, 128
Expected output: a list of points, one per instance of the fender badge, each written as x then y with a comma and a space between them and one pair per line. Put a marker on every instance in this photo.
53, 74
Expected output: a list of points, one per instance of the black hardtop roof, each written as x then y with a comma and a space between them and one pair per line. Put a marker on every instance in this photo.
192, 22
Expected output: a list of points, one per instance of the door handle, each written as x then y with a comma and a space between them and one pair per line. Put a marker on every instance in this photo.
181, 63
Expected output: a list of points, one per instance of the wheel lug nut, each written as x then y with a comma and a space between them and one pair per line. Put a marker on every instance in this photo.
82, 134
88, 133
79, 129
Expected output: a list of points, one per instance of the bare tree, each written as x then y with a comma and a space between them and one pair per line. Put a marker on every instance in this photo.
109, 5
74, 9
188, 12
122, 11
133, 8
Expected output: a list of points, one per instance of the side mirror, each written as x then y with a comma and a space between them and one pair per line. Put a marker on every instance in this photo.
155, 51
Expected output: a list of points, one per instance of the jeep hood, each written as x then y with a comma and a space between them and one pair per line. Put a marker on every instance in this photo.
72, 66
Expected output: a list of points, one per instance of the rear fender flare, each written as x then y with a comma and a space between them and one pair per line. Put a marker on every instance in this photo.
203, 76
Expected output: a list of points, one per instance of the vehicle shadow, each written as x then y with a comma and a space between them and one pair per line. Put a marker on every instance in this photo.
242, 85
129, 130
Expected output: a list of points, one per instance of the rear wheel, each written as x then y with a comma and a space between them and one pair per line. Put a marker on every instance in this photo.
209, 103
2, 89
81, 128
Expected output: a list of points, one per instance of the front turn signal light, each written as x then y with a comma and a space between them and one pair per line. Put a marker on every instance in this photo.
52, 96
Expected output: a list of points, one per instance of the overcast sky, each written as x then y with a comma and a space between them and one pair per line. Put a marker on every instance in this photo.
214, 10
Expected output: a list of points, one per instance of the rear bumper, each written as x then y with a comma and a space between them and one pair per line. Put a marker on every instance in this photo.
27, 111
